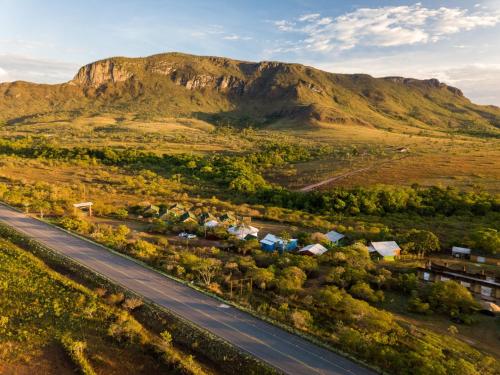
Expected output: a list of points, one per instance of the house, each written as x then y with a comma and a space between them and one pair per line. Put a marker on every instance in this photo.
176, 210
188, 217
334, 237
211, 224
228, 218
244, 232
385, 250
205, 217
460, 252
272, 243
150, 211
314, 249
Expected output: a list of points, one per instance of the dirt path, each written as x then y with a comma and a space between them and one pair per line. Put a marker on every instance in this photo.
347, 174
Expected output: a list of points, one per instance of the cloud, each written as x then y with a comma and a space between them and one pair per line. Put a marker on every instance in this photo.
236, 37
479, 82
15, 67
385, 26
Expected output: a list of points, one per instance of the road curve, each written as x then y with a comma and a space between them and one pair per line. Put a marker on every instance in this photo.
283, 350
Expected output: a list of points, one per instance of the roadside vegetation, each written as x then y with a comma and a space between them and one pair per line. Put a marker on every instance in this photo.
47, 320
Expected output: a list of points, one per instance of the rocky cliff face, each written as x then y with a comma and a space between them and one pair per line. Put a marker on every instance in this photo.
101, 72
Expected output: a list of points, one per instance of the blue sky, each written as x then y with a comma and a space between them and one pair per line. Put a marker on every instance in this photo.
457, 42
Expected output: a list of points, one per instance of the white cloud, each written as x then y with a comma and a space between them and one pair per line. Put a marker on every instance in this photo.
385, 26
15, 67
479, 82
236, 37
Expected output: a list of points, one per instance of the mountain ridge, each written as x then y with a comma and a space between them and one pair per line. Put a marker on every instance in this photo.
249, 93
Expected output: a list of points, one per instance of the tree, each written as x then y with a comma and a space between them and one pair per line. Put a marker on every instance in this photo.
143, 249
261, 277
329, 296
363, 291
290, 280
450, 298
421, 242
487, 239
207, 269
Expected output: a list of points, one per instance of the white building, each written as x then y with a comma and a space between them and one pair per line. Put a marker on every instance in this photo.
460, 252
243, 232
386, 249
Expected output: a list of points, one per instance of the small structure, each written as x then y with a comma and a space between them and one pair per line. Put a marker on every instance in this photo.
385, 250
227, 218
460, 252
150, 210
205, 217
176, 210
188, 217
403, 149
244, 232
272, 243
211, 224
314, 249
84, 206
334, 237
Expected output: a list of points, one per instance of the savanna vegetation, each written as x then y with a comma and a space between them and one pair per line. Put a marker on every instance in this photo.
48, 320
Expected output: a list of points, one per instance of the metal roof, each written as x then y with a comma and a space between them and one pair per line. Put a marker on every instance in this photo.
316, 249
334, 236
384, 248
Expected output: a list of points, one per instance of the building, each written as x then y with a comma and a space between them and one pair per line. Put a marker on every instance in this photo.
176, 210
386, 250
205, 217
334, 237
460, 252
211, 224
274, 243
188, 217
227, 219
244, 232
151, 211
485, 287
84, 206
314, 249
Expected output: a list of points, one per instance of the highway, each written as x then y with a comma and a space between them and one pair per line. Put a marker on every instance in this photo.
283, 350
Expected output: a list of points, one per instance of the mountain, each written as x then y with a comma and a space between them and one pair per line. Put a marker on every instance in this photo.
247, 93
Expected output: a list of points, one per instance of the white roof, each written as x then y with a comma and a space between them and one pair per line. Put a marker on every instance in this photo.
460, 250
384, 248
243, 230
84, 204
334, 236
316, 249
211, 223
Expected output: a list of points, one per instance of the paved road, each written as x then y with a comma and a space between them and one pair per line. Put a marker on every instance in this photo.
287, 352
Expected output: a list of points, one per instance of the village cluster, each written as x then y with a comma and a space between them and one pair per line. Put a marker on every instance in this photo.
240, 228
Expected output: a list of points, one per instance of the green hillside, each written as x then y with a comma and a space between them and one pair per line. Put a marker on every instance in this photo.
222, 90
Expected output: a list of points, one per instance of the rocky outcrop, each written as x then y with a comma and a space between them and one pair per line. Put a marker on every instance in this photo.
101, 72
430, 83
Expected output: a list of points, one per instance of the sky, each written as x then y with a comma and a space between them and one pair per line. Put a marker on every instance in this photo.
455, 41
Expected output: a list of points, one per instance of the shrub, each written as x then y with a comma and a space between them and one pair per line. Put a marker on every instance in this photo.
290, 280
